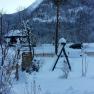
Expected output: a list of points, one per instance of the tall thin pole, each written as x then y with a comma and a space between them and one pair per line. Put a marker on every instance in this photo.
1, 24
57, 25
1, 33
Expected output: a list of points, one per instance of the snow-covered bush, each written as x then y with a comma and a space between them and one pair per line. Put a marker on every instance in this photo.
5, 71
35, 66
5, 80
65, 69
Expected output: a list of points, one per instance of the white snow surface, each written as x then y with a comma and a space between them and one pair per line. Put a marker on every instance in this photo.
14, 33
62, 40
45, 48
47, 81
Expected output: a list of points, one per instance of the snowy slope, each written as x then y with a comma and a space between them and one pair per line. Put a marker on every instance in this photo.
34, 5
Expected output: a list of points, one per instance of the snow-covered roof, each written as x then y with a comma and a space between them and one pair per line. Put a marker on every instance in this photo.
14, 33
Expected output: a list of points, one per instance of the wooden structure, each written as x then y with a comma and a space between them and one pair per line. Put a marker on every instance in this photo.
65, 55
14, 36
26, 60
12, 40
17, 39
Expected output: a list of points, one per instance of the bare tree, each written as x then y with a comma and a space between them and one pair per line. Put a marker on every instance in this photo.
20, 16
31, 38
1, 35
57, 3
82, 24
5, 72
7, 23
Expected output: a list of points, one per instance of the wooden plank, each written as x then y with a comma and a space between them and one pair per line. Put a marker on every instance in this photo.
26, 60
15, 36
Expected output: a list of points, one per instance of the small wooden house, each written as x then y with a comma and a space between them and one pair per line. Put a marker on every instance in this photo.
13, 37
16, 39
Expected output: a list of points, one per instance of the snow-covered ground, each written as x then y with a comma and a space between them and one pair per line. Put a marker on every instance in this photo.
47, 81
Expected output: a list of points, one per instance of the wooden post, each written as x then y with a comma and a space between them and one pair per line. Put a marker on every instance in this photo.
57, 3
64, 52
17, 73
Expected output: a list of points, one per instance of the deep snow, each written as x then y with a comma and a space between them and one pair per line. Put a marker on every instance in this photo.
47, 81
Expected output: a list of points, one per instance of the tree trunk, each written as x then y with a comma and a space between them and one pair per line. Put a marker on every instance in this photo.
57, 29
